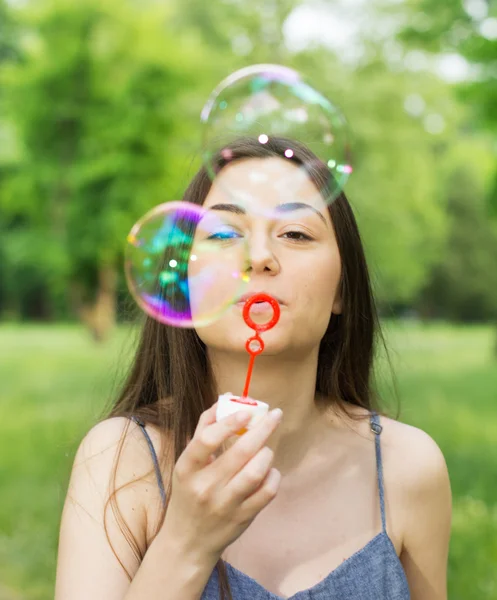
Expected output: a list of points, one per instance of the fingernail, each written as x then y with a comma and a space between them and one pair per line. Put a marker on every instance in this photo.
275, 415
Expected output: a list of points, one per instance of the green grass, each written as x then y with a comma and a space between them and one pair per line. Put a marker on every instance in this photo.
55, 383
448, 385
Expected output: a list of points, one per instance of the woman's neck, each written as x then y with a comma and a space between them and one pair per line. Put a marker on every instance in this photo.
286, 383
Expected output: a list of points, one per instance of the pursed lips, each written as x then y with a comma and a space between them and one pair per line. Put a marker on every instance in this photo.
245, 297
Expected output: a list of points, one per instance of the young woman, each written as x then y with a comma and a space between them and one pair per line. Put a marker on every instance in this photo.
329, 501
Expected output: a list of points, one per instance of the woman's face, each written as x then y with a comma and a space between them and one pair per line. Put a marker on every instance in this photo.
290, 253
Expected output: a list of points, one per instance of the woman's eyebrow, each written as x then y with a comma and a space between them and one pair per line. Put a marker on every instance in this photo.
285, 207
232, 208
291, 206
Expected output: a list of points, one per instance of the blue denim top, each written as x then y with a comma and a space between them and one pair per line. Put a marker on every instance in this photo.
372, 573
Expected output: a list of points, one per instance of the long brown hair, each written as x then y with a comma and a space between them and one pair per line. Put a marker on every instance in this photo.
170, 382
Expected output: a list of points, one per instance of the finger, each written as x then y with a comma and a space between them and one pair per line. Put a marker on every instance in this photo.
266, 492
243, 450
249, 479
207, 418
208, 439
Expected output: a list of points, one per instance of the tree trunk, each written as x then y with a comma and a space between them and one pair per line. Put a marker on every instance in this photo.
100, 315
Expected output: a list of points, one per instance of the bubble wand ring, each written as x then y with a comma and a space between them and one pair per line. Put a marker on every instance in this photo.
258, 329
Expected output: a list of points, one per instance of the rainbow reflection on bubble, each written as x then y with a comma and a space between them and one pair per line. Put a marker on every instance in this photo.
184, 264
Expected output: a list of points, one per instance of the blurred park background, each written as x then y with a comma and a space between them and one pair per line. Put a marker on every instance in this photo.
99, 122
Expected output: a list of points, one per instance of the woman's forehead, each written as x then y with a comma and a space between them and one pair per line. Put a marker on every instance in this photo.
263, 184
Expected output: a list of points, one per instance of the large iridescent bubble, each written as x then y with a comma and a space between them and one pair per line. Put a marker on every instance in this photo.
185, 265
272, 102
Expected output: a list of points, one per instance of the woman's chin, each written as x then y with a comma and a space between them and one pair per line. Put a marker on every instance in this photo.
230, 334
274, 343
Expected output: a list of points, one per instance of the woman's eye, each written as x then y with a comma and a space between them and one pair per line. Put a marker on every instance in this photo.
228, 234
297, 236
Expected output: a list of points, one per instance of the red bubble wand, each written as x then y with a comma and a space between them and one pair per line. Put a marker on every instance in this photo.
258, 328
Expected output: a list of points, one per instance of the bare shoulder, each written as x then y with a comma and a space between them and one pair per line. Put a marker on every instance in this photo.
413, 462
412, 456
104, 524
114, 442
418, 486
114, 458
112, 438
418, 493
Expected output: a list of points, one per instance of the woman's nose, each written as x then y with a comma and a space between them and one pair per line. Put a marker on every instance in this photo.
261, 256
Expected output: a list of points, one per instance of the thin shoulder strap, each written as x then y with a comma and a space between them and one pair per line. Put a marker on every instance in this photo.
376, 428
141, 424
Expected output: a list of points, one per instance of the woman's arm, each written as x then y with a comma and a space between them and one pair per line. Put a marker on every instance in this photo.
87, 565
427, 510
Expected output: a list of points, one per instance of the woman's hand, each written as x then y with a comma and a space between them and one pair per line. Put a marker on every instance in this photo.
213, 500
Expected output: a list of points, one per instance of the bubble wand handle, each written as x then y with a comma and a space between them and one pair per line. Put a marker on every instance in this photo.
255, 345
253, 353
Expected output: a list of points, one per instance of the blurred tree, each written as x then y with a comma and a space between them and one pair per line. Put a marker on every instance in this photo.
463, 284
94, 105
469, 29
9, 51
395, 188
8, 34
245, 32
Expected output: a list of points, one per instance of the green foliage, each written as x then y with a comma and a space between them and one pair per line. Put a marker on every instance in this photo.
395, 189
463, 281
94, 106
252, 31
463, 285
100, 122
25, 276
8, 35
450, 27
